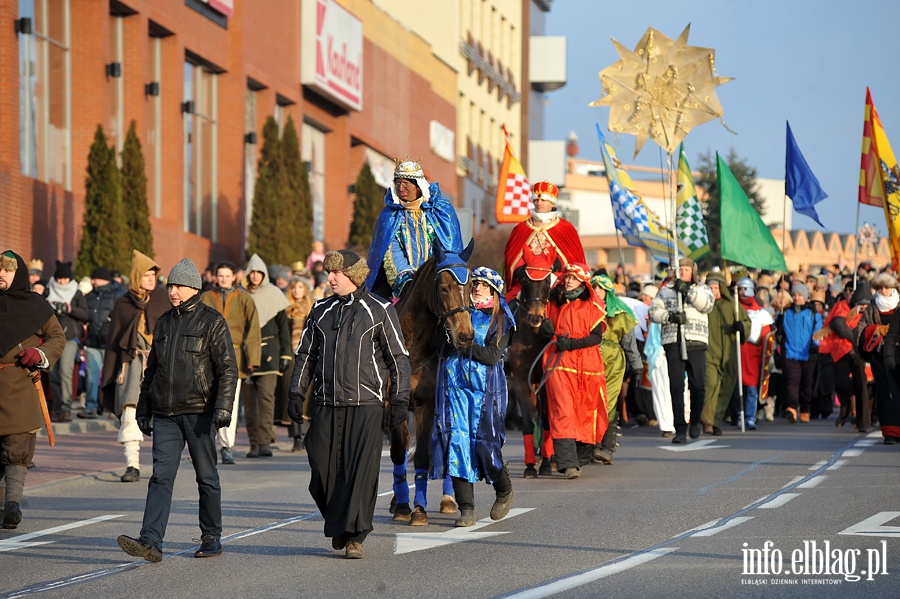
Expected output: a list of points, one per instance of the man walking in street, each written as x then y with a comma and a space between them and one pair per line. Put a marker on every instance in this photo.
187, 394
352, 353
100, 302
239, 310
30, 339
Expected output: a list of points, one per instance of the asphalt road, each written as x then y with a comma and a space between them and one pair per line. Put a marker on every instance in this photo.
785, 511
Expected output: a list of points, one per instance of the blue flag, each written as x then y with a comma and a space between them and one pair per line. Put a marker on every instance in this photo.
800, 184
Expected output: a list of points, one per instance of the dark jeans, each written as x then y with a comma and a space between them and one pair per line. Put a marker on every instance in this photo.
695, 366
850, 379
799, 376
170, 434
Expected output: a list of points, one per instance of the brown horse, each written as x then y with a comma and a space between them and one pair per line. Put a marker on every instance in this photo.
524, 350
434, 303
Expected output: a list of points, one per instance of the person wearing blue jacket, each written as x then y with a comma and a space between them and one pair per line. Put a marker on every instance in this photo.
797, 325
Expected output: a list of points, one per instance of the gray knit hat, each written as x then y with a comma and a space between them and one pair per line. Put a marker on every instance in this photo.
800, 288
185, 274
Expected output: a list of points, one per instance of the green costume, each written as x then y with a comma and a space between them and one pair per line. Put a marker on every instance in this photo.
721, 354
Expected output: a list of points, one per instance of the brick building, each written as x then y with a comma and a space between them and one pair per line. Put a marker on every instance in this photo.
199, 78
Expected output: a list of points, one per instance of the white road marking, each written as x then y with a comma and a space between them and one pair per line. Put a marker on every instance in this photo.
866, 443
818, 464
695, 446
571, 582
873, 526
708, 532
874, 435
22, 541
796, 479
407, 542
778, 501
852, 453
836, 465
813, 482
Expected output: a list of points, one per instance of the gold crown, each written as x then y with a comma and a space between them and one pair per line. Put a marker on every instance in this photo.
36, 265
408, 169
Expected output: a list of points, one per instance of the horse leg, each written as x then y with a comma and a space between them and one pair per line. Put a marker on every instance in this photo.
547, 439
526, 406
399, 454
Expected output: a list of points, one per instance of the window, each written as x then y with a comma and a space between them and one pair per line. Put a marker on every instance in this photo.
250, 173
200, 142
312, 152
154, 132
115, 89
45, 136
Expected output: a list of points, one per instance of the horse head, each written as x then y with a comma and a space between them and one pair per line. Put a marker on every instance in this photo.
452, 289
535, 278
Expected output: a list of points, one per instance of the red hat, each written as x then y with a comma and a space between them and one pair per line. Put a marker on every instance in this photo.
545, 190
579, 271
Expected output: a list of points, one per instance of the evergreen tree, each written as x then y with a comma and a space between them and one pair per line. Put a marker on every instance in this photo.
104, 240
366, 208
295, 225
746, 175
267, 193
134, 195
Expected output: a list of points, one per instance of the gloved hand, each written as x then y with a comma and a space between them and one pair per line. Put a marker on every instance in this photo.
682, 287
399, 415
564, 344
30, 357
637, 374
546, 329
738, 328
890, 362
145, 423
284, 364
676, 318
295, 409
221, 418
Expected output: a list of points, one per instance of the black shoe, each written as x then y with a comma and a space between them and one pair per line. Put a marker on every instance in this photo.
695, 431
265, 451
87, 414
253, 453
338, 543
603, 456
679, 439
142, 547
209, 547
132, 475
12, 515
717, 431
545, 469
530, 471
889, 440
298, 445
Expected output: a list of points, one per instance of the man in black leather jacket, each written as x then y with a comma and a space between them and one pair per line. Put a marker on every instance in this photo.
186, 395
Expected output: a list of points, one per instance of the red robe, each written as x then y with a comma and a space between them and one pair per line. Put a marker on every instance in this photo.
832, 344
752, 353
558, 239
576, 395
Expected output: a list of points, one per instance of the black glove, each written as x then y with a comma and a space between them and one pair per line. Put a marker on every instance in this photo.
284, 364
145, 423
221, 418
564, 344
399, 414
890, 362
676, 318
295, 409
546, 329
637, 375
738, 328
682, 287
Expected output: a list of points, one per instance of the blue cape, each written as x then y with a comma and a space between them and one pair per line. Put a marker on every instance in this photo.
441, 215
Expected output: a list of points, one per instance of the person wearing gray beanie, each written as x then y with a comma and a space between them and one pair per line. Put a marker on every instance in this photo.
185, 274
800, 288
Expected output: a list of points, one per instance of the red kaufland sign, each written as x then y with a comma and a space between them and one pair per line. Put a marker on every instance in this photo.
332, 52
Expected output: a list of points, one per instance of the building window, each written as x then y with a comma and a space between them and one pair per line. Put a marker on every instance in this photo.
200, 142
115, 88
250, 172
45, 112
154, 132
312, 152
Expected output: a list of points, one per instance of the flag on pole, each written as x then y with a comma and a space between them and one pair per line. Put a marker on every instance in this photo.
745, 237
513, 203
880, 177
689, 224
871, 190
638, 224
800, 184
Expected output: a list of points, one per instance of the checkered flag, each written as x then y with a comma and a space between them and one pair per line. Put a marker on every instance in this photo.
690, 225
513, 190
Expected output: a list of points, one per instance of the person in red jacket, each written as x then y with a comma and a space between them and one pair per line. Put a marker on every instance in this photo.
752, 349
544, 233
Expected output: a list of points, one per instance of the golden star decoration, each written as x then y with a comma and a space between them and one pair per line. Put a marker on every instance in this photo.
661, 90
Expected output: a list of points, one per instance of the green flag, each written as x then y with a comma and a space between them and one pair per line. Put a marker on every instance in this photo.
745, 237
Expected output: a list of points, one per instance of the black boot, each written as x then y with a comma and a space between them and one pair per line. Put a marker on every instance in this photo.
465, 497
505, 495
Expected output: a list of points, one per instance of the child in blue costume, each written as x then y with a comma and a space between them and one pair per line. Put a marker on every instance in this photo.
414, 216
470, 404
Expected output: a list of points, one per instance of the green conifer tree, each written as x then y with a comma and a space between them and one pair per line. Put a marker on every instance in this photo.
295, 225
366, 208
134, 195
263, 236
104, 240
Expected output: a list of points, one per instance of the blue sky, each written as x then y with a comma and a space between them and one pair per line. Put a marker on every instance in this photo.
803, 61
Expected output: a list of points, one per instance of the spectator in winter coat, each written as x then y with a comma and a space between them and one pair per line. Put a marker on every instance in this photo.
873, 329
796, 326
100, 302
71, 311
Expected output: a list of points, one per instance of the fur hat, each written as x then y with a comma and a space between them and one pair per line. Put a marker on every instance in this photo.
685, 261
348, 263
63, 271
883, 280
36, 267
185, 274
8, 261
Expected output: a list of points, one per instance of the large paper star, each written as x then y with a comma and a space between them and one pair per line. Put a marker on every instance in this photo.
662, 90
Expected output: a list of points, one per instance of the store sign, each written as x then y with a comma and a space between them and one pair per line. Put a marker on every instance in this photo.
332, 52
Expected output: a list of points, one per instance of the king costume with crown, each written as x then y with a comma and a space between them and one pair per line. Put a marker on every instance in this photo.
406, 230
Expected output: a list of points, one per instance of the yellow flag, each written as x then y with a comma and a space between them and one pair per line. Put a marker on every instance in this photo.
889, 175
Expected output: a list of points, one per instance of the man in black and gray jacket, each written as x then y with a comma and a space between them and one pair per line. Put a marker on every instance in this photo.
352, 354
100, 302
186, 396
